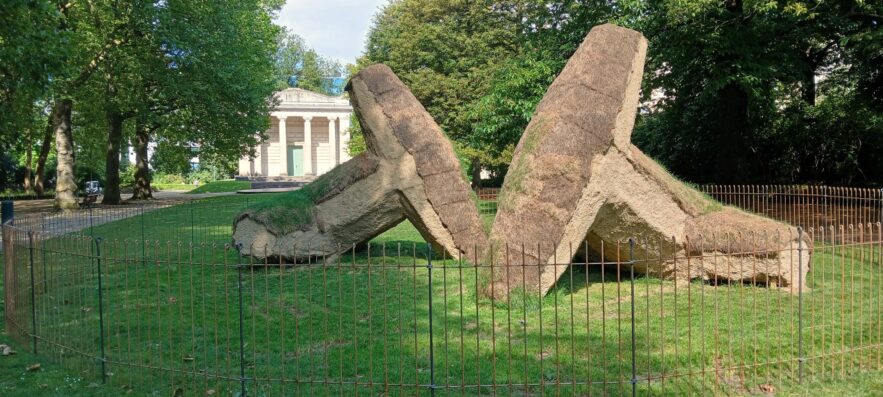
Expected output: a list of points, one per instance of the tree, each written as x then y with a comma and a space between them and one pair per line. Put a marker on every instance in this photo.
480, 67
738, 86
169, 80
300, 66
31, 51
446, 52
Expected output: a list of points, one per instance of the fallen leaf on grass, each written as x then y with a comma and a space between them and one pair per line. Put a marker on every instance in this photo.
6, 350
33, 367
766, 388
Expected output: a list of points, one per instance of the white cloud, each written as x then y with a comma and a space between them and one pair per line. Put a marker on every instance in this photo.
334, 28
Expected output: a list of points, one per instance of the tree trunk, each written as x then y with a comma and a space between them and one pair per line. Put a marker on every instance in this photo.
476, 173
39, 177
732, 126
28, 161
142, 170
66, 182
112, 161
808, 85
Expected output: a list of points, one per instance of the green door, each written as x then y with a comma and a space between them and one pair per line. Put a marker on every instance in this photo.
295, 161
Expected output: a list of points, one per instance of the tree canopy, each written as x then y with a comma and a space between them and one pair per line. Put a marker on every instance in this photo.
186, 72
735, 90
299, 66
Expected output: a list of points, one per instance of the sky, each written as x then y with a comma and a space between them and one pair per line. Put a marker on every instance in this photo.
334, 28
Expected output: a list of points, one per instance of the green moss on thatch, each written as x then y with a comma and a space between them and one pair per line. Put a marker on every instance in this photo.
292, 211
692, 200
514, 182
285, 213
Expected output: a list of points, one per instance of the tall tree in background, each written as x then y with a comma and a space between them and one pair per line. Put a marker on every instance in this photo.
546, 35
736, 90
300, 66
480, 67
91, 34
193, 100
446, 51
31, 51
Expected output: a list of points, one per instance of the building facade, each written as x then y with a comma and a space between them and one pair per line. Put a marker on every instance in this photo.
308, 136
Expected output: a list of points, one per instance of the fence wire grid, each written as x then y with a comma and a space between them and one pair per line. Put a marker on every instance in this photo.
156, 298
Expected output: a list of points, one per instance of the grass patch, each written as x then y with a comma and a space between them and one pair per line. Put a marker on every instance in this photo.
222, 187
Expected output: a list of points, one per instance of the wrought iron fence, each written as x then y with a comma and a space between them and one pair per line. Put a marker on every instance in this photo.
807, 206
141, 302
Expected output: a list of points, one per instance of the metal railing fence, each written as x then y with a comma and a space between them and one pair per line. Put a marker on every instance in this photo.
398, 319
155, 299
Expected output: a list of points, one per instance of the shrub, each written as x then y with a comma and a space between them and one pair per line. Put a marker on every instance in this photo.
166, 179
127, 176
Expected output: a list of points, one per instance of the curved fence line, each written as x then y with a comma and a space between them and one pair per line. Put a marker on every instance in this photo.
139, 292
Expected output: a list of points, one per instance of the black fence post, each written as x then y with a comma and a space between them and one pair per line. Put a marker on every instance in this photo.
91, 223
192, 240
241, 321
431, 341
143, 242
33, 291
881, 206
800, 358
103, 358
634, 380
43, 252
7, 212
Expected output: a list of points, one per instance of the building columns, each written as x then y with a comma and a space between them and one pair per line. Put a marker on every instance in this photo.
308, 146
332, 141
344, 138
283, 142
256, 160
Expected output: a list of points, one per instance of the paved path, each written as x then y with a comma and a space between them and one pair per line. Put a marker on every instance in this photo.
39, 215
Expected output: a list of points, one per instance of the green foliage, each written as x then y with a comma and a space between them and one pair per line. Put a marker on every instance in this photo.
300, 66
731, 87
170, 158
127, 176
32, 51
501, 116
445, 51
169, 179
736, 93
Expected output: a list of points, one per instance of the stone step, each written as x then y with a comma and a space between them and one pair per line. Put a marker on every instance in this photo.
278, 178
276, 184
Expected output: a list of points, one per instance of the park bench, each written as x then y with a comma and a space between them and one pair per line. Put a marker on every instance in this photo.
89, 199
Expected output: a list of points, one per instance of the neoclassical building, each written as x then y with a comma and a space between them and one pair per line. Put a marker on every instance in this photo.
308, 136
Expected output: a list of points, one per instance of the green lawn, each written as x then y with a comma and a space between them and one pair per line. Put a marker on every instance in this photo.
222, 187
364, 318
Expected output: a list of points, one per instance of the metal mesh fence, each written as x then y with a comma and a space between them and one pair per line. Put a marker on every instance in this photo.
144, 299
